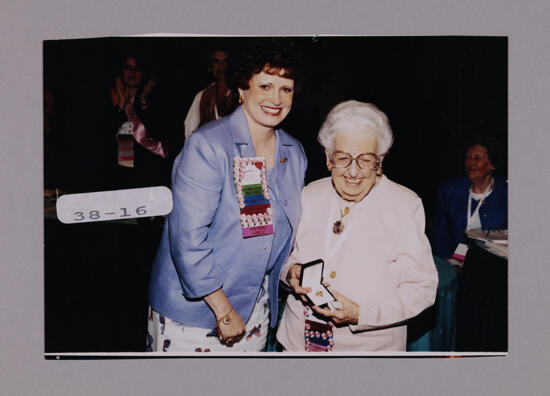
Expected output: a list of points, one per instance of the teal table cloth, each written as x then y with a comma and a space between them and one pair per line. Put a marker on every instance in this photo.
434, 330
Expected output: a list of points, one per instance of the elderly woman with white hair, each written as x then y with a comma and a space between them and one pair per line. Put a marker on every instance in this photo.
369, 233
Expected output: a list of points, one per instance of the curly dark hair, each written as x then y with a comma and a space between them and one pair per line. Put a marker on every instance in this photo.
271, 55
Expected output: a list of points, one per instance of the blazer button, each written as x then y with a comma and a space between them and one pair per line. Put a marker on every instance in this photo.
333, 274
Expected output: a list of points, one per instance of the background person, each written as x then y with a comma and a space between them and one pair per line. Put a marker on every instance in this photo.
134, 124
369, 231
211, 289
216, 100
477, 201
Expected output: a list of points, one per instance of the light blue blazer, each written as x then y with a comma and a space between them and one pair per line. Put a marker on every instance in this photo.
202, 248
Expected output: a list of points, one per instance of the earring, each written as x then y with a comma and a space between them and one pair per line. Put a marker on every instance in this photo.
241, 100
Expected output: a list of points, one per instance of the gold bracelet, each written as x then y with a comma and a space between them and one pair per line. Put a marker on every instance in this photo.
225, 319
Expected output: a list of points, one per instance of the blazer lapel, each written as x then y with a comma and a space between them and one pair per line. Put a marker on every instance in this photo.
283, 154
241, 134
332, 245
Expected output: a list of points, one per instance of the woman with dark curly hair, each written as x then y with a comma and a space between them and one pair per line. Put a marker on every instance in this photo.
236, 187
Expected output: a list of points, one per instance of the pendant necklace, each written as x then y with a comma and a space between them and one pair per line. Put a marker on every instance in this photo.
338, 226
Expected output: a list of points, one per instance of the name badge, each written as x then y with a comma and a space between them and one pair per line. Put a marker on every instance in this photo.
253, 196
460, 252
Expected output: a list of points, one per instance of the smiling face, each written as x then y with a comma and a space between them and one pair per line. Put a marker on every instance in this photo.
132, 74
478, 164
268, 100
353, 183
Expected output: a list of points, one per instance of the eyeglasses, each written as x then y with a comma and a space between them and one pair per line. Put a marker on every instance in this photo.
341, 159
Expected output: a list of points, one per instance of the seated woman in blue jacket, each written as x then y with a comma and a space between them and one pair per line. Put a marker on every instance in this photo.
236, 188
478, 201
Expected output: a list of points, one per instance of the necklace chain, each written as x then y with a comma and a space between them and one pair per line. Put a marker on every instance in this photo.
338, 226
344, 212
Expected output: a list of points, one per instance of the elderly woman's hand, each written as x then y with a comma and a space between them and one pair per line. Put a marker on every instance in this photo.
348, 314
293, 279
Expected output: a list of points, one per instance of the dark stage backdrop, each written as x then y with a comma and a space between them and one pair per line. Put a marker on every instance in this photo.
436, 91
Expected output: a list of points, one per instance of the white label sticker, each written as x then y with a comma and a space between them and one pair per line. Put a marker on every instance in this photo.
126, 128
114, 205
252, 175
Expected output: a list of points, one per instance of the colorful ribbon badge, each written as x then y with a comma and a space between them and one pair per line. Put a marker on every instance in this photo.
253, 196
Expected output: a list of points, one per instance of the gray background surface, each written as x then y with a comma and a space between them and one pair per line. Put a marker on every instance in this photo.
23, 370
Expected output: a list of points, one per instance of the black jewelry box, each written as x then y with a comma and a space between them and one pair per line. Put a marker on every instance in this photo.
312, 276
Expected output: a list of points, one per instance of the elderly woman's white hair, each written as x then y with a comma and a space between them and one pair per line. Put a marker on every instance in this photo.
356, 115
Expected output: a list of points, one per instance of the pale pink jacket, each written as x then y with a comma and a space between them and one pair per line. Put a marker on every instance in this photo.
382, 260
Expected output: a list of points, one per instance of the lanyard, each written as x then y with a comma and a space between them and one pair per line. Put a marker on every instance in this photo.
472, 216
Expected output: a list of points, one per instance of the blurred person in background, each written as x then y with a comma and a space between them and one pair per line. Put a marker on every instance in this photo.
133, 121
478, 200
217, 99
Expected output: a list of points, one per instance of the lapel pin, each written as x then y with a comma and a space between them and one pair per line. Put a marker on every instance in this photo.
282, 160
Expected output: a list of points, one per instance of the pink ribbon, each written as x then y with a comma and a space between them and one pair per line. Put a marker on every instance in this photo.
140, 133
